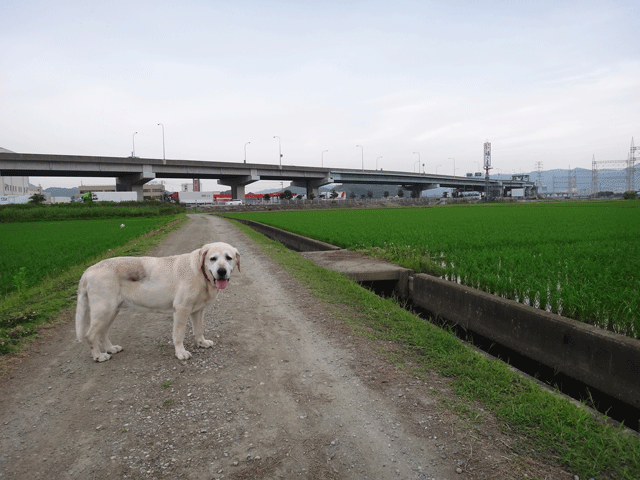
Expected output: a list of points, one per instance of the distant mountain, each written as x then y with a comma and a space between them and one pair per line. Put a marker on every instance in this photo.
580, 180
61, 192
377, 190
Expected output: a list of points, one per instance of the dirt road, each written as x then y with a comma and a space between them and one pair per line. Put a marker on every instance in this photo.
286, 392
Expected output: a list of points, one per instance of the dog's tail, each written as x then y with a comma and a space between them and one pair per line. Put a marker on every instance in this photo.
83, 318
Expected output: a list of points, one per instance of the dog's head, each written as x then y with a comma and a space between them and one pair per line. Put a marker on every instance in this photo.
218, 261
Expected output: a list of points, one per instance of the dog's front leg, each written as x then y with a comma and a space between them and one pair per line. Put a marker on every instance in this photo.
180, 317
197, 319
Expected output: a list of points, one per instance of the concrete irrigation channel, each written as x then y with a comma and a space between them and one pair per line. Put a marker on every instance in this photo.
594, 362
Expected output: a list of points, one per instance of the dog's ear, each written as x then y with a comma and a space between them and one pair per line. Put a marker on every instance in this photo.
238, 259
202, 254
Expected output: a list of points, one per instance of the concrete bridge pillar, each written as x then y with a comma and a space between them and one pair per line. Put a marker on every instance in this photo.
416, 191
135, 182
311, 185
238, 183
418, 188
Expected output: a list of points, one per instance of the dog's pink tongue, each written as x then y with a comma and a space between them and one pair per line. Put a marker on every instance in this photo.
222, 284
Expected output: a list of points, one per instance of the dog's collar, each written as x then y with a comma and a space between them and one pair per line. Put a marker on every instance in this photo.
204, 272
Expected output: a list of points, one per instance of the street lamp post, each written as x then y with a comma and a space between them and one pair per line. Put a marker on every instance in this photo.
133, 154
362, 152
418, 162
279, 150
377, 162
164, 160
245, 151
322, 158
454, 165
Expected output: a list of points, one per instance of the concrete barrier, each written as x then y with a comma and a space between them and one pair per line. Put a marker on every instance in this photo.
290, 240
604, 360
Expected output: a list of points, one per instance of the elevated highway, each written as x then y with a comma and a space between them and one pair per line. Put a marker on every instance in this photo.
131, 173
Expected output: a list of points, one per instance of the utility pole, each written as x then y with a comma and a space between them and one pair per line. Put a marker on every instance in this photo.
594, 177
539, 169
569, 183
487, 166
631, 167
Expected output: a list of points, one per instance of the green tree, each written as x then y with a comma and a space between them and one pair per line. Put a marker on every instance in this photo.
400, 192
266, 197
386, 194
334, 194
37, 198
287, 195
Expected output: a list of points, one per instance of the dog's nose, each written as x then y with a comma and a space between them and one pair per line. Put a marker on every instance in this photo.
222, 272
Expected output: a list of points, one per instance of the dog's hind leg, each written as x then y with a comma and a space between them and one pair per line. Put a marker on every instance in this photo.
197, 320
108, 347
101, 319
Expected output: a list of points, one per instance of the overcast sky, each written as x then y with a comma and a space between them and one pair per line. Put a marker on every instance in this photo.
549, 81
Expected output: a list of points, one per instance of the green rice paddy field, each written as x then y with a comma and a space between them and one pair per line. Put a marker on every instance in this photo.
34, 251
581, 260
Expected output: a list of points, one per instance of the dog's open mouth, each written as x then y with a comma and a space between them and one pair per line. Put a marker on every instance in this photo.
221, 284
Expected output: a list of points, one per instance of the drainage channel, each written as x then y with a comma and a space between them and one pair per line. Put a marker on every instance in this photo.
593, 398
615, 371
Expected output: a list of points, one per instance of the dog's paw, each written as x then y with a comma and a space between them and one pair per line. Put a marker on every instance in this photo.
183, 355
204, 343
114, 349
103, 357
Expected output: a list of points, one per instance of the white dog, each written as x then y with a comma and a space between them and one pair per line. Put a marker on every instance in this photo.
181, 284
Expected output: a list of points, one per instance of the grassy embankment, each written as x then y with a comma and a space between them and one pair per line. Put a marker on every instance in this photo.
42, 259
550, 428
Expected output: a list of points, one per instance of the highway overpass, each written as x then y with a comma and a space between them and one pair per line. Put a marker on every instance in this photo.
131, 173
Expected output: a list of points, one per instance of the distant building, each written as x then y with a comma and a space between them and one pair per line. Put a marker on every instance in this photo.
193, 186
13, 185
150, 191
153, 191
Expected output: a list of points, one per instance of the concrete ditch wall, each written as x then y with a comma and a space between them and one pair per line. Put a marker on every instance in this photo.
604, 360
290, 240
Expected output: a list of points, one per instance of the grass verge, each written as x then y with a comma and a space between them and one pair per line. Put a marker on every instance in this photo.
552, 426
20, 324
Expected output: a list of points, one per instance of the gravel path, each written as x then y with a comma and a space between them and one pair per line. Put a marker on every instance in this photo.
286, 392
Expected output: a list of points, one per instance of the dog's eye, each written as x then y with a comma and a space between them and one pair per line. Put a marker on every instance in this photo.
229, 257
213, 259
